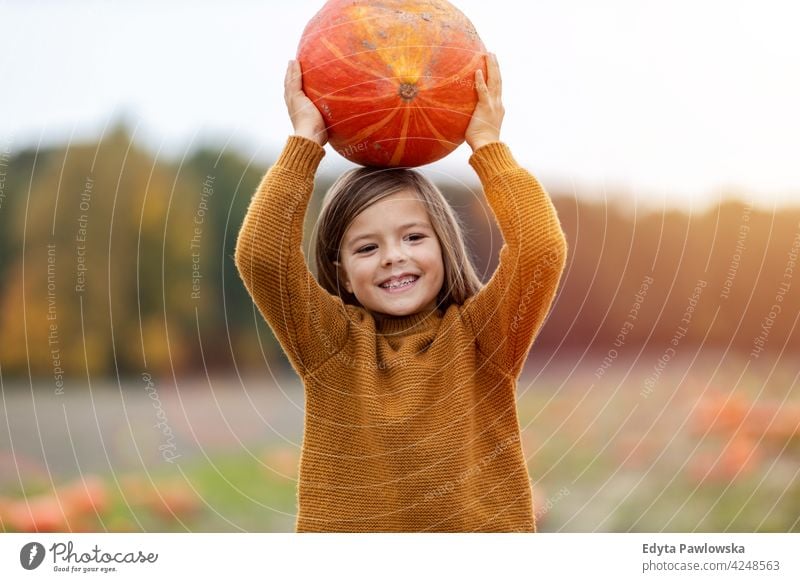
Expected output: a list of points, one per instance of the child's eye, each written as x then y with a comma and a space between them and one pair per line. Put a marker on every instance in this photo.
411, 237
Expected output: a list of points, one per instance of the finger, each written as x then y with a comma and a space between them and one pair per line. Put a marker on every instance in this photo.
480, 83
294, 79
287, 78
495, 82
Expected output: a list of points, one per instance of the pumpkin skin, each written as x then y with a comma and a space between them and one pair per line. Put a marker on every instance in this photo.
393, 79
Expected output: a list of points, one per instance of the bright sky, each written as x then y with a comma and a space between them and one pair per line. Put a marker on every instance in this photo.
664, 101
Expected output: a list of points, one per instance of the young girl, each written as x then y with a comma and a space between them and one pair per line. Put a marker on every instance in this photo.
409, 363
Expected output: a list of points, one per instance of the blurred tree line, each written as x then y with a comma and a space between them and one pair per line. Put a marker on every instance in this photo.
115, 262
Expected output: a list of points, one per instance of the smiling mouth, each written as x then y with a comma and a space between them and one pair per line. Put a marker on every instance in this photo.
399, 287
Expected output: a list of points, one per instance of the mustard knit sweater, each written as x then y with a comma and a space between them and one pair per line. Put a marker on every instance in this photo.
410, 422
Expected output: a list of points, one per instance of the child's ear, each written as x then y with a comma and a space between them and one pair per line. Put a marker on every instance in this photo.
343, 276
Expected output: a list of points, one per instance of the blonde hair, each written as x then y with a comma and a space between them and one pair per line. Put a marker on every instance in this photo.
359, 188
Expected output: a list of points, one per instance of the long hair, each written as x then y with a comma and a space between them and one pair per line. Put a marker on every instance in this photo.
359, 188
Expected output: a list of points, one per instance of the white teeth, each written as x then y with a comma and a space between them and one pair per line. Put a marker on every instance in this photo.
402, 283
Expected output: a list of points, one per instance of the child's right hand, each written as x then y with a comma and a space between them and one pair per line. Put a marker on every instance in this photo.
306, 118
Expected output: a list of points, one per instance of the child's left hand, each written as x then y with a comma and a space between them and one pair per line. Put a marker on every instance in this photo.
484, 127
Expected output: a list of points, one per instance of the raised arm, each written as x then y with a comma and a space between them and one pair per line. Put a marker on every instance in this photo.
509, 311
309, 323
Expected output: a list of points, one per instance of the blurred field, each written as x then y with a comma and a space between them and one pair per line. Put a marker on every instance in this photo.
95, 286
714, 446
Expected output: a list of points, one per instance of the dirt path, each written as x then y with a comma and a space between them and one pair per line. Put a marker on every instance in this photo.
144, 423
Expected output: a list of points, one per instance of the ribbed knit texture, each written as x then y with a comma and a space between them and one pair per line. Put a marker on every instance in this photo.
410, 422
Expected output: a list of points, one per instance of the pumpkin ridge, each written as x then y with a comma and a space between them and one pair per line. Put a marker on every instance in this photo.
347, 59
361, 135
401, 146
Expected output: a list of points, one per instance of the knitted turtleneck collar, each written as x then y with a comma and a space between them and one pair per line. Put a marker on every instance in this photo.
416, 323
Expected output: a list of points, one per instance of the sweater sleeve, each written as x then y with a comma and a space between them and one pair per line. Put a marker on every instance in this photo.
309, 322
507, 314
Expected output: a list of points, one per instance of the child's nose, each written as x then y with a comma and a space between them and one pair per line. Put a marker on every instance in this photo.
394, 254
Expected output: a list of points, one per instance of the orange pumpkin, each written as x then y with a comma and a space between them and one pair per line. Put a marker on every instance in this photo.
393, 79
88, 495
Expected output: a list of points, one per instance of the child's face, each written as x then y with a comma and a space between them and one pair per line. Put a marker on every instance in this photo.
393, 242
